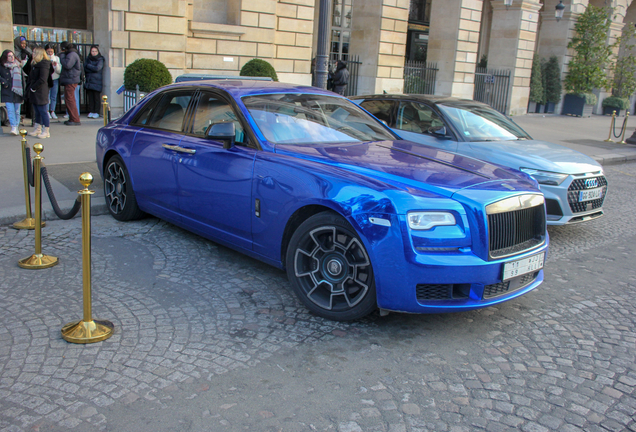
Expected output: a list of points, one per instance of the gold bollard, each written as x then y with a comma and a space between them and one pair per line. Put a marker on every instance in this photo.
622, 141
37, 260
609, 138
28, 222
87, 330
105, 109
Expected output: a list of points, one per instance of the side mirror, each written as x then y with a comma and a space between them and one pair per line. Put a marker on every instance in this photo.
438, 131
225, 132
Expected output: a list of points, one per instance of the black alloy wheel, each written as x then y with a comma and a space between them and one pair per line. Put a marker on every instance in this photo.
118, 191
330, 270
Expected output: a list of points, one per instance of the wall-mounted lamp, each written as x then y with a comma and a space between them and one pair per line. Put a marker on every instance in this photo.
508, 3
559, 10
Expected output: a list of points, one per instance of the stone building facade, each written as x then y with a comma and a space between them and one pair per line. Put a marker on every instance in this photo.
220, 36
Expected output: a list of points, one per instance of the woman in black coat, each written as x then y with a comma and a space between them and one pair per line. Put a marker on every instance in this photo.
38, 91
93, 69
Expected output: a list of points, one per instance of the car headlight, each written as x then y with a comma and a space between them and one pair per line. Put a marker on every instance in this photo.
425, 220
545, 177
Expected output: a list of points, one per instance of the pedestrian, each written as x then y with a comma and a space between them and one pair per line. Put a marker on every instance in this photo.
12, 83
341, 78
70, 79
93, 68
37, 91
57, 68
24, 54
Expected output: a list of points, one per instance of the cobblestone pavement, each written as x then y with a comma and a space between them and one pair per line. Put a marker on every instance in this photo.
207, 339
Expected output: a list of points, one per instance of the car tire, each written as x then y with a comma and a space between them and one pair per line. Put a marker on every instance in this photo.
118, 191
330, 270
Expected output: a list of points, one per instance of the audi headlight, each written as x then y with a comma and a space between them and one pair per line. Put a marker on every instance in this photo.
425, 220
545, 177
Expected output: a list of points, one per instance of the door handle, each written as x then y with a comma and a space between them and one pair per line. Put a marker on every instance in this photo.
178, 149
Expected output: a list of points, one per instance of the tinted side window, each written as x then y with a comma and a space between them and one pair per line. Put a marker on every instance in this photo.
417, 117
170, 111
212, 110
381, 109
145, 113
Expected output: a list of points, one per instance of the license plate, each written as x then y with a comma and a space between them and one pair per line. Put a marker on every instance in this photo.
523, 266
590, 194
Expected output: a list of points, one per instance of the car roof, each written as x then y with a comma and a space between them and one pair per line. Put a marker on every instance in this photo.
240, 87
423, 98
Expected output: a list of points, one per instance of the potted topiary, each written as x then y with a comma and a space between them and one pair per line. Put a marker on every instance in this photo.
258, 68
141, 77
614, 103
148, 74
552, 87
536, 87
587, 69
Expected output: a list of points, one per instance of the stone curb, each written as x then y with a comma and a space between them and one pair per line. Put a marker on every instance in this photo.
15, 214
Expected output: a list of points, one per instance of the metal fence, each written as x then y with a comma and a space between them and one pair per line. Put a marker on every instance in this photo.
131, 97
419, 77
492, 87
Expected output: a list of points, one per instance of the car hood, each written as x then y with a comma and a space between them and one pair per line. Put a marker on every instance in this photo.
542, 155
412, 165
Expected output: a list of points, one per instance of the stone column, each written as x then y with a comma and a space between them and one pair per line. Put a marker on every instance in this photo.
512, 42
378, 36
6, 26
453, 44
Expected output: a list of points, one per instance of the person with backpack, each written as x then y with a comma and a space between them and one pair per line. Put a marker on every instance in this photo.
70, 78
341, 78
93, 68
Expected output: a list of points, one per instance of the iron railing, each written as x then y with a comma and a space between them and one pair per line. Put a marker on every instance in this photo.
131, 97
492, 87
419, 77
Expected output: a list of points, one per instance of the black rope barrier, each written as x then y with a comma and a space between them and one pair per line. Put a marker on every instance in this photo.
622, 129
29, 167
56, 207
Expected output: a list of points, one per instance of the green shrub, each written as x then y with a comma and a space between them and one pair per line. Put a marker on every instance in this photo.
552, 78
148, 74
587, 70
616, 102
258, 68
536, 82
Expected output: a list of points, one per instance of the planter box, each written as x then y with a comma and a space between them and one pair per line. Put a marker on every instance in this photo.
539, 108
549, 108
576, 106
532, 107
608, 110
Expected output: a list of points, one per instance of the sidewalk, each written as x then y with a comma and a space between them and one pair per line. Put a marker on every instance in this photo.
71, 151
68, 153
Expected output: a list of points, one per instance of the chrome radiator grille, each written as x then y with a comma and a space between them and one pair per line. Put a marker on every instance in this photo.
515, 225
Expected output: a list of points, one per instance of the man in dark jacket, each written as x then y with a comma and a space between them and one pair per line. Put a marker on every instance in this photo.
341, 78
70, 79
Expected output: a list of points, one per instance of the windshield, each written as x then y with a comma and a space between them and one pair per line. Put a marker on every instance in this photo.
310, 118
480, 123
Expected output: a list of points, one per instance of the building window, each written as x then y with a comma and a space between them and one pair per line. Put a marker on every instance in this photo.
341, 30
417, 37
420, 11
53, 13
